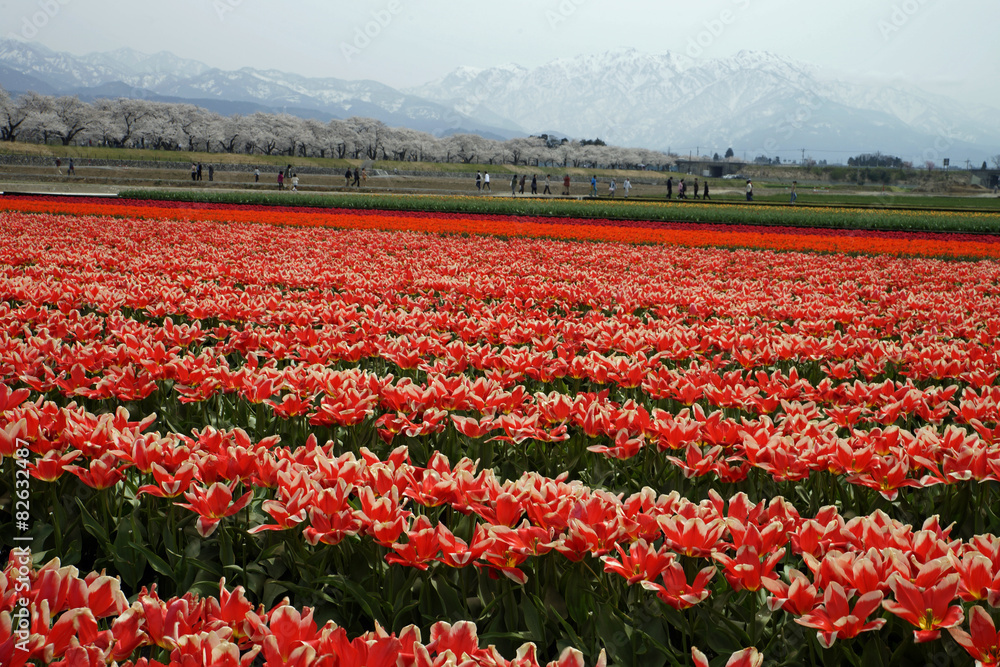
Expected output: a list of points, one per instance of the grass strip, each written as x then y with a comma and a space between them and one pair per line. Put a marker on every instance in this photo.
758, 214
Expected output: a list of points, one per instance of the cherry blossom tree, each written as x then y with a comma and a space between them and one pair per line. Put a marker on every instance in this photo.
13, 113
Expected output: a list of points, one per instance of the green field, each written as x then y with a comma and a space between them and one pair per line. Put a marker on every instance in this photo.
839, 185
836, 217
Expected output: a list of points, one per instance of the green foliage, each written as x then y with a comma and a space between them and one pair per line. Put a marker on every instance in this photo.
886, 213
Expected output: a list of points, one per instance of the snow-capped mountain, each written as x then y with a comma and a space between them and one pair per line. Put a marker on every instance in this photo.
28, 66
755, 102
758, 102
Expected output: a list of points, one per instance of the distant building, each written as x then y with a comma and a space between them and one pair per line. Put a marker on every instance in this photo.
988, 178
709, 168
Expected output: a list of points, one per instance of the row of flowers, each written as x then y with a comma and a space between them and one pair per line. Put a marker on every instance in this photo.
53, 616
613, 231
794, 446
330, 498
73, 621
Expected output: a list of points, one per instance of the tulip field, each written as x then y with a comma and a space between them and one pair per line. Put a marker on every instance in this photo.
248, 435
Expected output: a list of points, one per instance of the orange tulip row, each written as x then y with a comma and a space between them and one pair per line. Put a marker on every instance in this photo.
590, 230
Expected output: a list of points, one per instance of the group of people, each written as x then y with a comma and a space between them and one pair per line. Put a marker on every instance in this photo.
70, 168
285, 174
612, 187
514, 181
682, 189
518, 183
358, 178
196, 172
355, 178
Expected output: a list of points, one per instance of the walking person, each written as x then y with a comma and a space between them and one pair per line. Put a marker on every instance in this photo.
547, 190
256, 175
670, 188
357, 178
295, 182
479, 182
794, 195
593, 186
705, 196
513, 185
697, 194
626, 186
682, 190
612, 186
364, 176
566, 185
524, 177
534, 184
281, 180
211, 173
199, 171
71, 171
486, 182
194, 172
347, 178
749, 190
59, 166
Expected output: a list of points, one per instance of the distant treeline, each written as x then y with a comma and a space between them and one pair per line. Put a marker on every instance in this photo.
138, 123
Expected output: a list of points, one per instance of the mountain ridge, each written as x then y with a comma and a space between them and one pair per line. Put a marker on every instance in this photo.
753, 101
759, 101
165, 76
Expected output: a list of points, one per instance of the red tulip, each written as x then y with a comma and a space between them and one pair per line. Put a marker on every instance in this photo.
798, 598
835, 619
51, 467
748, 569
692, 537
982, 641
101, 474
289, 638
676, 591
214, 504
642, 562
929, 609
748, 657
207, 649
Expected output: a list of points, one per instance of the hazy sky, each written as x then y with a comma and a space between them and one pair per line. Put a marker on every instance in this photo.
945, 47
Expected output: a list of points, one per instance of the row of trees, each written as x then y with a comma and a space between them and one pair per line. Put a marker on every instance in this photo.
891, 161
877, 159
138, 123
